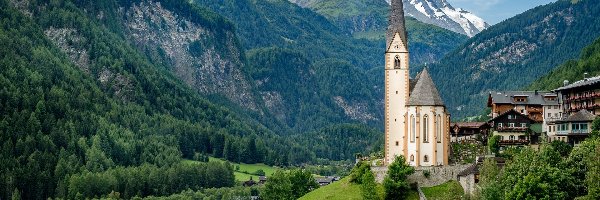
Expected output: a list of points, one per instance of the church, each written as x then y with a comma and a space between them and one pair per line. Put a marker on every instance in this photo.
416, 120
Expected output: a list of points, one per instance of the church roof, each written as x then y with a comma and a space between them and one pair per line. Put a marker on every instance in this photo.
425, 93
396, 23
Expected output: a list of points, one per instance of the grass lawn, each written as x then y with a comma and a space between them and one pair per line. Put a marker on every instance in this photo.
343, 189
245, 171
448, 190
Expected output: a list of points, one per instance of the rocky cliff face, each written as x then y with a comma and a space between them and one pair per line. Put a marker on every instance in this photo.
212, 66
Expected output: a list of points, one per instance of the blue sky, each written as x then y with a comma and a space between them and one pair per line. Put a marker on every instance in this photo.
494, 11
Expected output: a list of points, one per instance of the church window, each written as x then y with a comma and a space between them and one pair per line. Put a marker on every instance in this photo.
439, 129
413, 128
412, 158
397, 62
397, 143
425, 129
426, 158
396, 92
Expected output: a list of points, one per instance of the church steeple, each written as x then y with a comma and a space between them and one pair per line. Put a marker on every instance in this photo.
396, 23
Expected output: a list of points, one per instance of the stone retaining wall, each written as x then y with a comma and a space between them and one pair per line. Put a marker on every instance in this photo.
438, 174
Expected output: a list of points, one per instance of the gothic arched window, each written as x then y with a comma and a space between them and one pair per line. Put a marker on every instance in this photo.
397, 62
413, 128
426, 158
412, 158
425, 129
439, 128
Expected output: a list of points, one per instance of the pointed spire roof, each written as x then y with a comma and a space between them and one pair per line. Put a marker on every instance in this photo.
425, 93
396, 23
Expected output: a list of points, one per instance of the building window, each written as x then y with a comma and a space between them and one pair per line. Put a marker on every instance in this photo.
396, 92
512, 137
499, 125
397, 62
412, 158
549, 114
425, 129
426, 158
523, 125
397, 143
439, 129
413, 128
511, 125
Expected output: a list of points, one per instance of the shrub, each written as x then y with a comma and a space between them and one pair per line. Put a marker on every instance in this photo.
426, 173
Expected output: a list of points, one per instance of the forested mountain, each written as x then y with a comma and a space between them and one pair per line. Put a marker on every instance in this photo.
572, 70
514, 53
369, 19
364, 17
310, 73
95, 99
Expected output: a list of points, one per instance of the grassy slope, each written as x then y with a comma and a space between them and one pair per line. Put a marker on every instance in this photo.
344, 190
245, 171
444, 191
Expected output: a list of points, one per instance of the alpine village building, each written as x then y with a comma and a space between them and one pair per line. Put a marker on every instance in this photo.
416, 120
565, 114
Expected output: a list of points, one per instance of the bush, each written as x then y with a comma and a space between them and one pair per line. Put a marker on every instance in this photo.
426, 173
396, 183
359, 171
259, 172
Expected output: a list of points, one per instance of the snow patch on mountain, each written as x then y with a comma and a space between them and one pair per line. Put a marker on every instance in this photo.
442, 14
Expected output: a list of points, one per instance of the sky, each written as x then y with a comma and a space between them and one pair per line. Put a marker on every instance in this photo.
494, 11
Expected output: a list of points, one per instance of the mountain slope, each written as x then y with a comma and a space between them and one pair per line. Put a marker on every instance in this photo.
512, 54
368, 15
81, 104
572, 70
311, 64
442, 14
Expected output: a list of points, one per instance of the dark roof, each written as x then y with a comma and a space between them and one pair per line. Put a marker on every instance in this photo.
262, 178
396, 23
474, 169
470, 170
412, 83
425, 93
533, 98
581, 116
324, 180
581, 83
508, 112
469, 124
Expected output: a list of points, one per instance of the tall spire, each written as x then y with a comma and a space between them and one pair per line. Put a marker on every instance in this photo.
396, 23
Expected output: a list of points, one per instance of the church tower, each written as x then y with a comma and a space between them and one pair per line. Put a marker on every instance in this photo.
396, 84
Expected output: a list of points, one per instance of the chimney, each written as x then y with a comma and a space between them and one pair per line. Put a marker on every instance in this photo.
536, 92
585, 76
566, 82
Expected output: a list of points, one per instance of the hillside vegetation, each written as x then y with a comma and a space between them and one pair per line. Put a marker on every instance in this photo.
572, 70
514, 53
87, 110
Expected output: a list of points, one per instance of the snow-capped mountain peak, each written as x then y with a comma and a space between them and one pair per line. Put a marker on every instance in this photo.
442, 14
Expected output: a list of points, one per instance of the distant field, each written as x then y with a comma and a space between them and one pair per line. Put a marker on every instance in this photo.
444, 191
246, 170
343, 190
